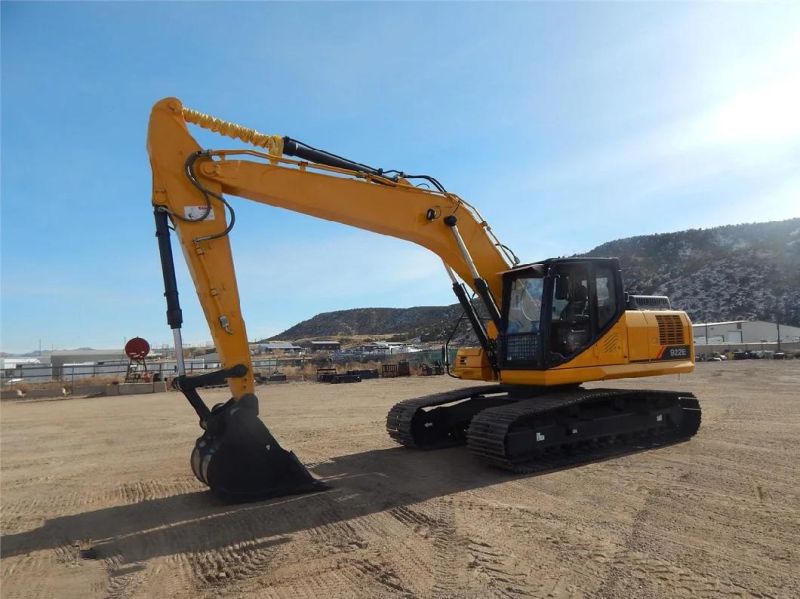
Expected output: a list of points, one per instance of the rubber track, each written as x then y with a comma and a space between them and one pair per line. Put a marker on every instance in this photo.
400, 417
486, 436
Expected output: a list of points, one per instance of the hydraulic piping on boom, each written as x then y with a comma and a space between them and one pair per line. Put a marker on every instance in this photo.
552, 325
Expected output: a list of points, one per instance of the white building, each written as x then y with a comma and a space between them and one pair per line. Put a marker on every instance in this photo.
14, 361
276, 346
743, 331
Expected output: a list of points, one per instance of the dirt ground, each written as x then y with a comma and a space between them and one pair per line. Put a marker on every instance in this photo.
98, 501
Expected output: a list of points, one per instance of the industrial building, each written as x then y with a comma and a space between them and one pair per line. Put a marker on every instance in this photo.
325, 346
276, 346
744, 331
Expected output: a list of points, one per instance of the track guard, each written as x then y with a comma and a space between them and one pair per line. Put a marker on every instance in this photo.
240, 460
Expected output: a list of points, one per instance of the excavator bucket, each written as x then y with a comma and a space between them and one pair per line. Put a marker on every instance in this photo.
240, 460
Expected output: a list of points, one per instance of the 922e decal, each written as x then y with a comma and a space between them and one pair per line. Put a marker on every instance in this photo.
675, 352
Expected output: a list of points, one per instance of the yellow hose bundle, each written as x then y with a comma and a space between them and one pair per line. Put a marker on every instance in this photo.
273, 143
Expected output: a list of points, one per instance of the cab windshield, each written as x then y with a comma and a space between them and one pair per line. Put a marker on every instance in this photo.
525, 305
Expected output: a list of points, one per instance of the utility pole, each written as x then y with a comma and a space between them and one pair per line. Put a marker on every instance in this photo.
778, 324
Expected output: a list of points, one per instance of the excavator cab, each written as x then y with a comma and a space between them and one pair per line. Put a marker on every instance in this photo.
555, 309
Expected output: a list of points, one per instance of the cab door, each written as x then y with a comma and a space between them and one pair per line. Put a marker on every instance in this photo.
570, 326
583, 303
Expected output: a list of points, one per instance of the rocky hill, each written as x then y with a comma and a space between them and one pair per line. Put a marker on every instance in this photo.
749, 271
429, 323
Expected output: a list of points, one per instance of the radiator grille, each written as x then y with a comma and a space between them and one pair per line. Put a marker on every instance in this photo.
670, 329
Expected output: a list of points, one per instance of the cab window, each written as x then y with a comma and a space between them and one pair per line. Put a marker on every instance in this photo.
525, 306
606, 296
570, 319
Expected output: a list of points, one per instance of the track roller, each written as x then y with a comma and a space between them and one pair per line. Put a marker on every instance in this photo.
553, 431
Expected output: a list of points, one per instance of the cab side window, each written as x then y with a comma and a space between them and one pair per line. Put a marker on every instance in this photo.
525, 305
570, 324
606, 296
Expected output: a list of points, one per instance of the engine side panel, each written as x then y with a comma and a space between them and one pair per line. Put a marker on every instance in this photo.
472, 364
641, 343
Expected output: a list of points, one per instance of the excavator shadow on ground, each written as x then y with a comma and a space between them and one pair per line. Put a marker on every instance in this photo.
360, 484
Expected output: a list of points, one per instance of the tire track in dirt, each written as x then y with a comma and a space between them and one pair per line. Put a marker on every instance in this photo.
449, 558
66, 503
340, 578
339, 550
64, 558
500, 568
148, 490
714, 515
419, 522
630, 569
605, 561
24, 567
361, 564
231, 564
447, 561
496, 571
378, 572
124, 579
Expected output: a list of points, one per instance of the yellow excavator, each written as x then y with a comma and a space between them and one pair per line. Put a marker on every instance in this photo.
543, 328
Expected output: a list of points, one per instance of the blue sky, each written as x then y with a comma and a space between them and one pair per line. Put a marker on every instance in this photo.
567, 125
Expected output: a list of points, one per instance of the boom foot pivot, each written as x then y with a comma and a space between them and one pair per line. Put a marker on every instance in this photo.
240, 460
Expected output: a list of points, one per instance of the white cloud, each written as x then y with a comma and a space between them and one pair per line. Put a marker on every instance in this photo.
754, 125
768, 114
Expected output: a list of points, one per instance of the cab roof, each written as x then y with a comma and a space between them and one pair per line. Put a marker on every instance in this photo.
541, 267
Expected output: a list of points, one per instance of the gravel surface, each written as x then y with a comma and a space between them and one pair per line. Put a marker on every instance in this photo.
98, 501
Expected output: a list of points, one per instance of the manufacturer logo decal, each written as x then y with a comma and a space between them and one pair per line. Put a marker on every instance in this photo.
675, 352
198, 212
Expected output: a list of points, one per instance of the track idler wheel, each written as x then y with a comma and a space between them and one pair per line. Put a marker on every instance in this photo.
240, 460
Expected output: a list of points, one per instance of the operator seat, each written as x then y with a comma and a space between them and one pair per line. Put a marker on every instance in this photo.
578, 304
572, 329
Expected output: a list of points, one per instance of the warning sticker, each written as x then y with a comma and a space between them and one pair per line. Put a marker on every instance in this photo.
198, 213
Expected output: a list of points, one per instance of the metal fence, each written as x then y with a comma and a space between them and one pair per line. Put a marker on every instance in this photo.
167, 369
789, 348
428, 356
68, 373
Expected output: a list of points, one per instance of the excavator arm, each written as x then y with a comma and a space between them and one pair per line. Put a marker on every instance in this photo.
188, 193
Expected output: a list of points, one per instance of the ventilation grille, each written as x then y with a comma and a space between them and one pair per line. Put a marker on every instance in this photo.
611, 344
670, 329
521, 347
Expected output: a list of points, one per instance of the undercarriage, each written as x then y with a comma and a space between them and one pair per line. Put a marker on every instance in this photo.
528, 429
